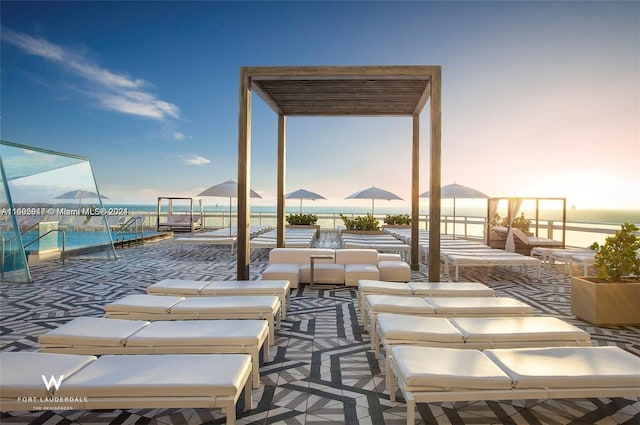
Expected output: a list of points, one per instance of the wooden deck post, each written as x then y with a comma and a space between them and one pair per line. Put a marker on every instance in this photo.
415, 193
282, 144
434, 200
244, 168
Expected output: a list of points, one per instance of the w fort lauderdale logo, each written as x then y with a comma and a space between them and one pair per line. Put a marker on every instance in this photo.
52, 382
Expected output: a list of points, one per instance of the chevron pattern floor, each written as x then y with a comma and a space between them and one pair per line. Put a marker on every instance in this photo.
322, 370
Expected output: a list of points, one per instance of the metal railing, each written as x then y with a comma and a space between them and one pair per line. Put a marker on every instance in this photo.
137, 222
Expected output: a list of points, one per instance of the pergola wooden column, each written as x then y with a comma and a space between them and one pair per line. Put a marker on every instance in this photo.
342, 91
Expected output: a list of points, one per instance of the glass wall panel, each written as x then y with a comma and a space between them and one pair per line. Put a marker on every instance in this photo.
55, 203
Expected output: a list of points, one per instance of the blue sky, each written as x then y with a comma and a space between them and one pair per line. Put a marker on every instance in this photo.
539, 98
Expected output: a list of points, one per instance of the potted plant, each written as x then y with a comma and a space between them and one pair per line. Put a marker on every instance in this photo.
613, 297
303, 220
398, 220
360, 224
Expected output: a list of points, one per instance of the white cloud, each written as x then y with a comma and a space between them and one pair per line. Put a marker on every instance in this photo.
195, 160
178, 136
116, 92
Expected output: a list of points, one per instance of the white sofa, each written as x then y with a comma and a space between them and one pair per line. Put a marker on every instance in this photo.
340, 266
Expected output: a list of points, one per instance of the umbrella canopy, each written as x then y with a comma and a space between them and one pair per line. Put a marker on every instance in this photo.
80, 195
303, 194
374, 193
453, 191
228, 189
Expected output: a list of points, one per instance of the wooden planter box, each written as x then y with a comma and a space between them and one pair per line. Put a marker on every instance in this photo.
605, 303
305, 226
364, 232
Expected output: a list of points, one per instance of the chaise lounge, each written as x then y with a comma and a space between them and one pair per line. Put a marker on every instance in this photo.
511, 374
125, 382
97, 336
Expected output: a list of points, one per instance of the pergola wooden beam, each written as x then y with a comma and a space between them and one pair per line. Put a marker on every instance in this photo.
342, 91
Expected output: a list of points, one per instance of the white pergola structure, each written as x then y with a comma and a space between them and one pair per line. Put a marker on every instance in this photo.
342, 91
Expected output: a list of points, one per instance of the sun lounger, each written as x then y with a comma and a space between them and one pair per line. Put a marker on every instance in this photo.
190, 288
477, 332
152, 307
511, 374
506, 259
424, 289
97, 336
441, 307
125, 382
181, 242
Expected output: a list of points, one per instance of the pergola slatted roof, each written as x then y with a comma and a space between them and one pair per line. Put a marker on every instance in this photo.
344, 97
341, 91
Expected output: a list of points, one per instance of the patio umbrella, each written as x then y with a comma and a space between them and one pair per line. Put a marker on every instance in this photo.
303, 194
80, 195
228, 189
374, 193
453, 191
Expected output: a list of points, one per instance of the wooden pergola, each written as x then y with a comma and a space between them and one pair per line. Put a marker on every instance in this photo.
396, 91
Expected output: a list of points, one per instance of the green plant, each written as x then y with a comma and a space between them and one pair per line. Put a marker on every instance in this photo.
399, 219
302, 219
367, 222
618, 258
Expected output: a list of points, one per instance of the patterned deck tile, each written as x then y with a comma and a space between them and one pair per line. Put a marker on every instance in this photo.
321, 371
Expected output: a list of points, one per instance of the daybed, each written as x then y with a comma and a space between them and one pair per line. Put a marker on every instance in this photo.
125, 382
425, 289
477, 332
207, 288
511, 374
458, 260
440, 307
97, 336
337, 266
152, 307
525, 243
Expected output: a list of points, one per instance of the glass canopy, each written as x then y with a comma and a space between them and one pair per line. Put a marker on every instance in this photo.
50, 208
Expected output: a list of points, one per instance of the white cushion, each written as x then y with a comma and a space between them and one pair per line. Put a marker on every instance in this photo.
569, 367
140, 303
22, 371
447, 369
226, 304
382, 287
200, 333
418, 328
479, 305
246, 286
92, 331
399, 304
512, 329
297, 255
168, 375
177, 287
451, 289
394, 271
354, 272
283, 271
356, 256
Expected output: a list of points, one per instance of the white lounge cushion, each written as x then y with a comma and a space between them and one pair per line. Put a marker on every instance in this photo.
227, 304
354, 272
141, 303
297, 255
394, 271
200, 333
283, 271
266, 287
399, 304
418, 328
569, 367
479, 305
448, 369
323, 273
92, 331
368, 286
21, 371
451, 289
525, 329
168, 375
356, 256
177, 286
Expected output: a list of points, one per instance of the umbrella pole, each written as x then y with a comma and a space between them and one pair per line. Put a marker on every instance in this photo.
229, 216
454, 218
373, 200
300, 205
